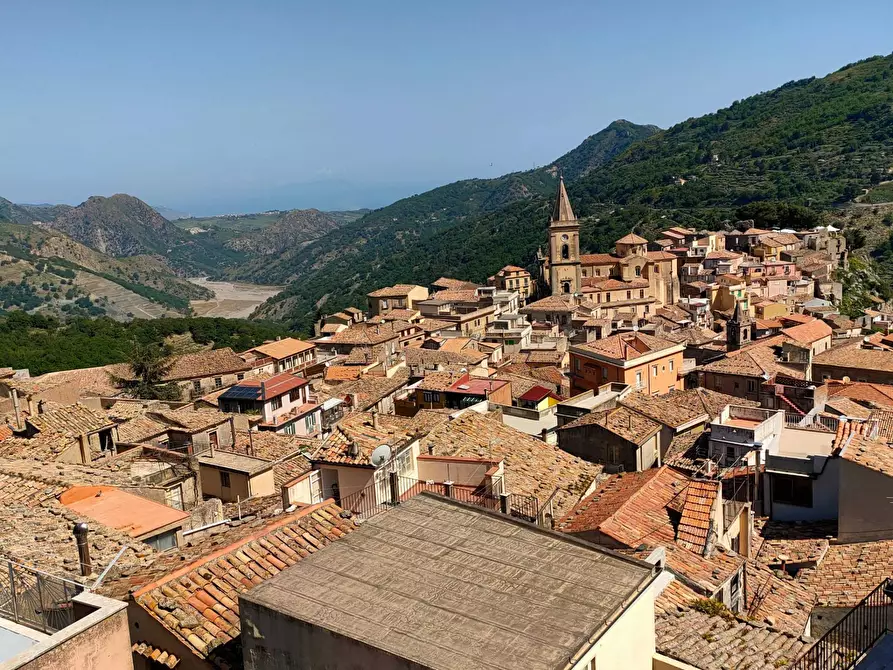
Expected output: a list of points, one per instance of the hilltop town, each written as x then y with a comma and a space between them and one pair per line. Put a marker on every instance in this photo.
682, 442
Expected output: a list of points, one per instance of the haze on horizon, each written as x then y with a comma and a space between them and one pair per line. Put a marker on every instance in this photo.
213, 107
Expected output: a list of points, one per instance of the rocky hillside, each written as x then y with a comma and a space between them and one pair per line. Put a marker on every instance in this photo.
122, 225
293, 230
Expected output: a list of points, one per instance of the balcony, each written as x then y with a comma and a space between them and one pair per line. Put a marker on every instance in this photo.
862, 638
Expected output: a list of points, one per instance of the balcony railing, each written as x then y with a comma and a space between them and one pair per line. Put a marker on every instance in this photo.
844, 645
35, 599
383, 496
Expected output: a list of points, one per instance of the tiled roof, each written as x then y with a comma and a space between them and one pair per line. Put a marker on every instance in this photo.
364, 333
692, 335
724, 643
453, 284
722, 255
457, 295
678, 408
849, 572
553, 303
190, 420
70, 420
632, 238
512, 268
198, 603
628, 346
755, 361
370, 389
156, 654
289, 469
598, 259
119, 509
433, 325
213, 363
418, 356
284, 348
439, 381
851, 355
847, 407
396, 291
400, 314
697, 515
343, 373
543, 356
775, 598
532, 467
90, 381
272, 446
875, 454
865, 391
359, 427
660, 256
598, 507
687, 451
808, 333
140, 429
796, 544
622, 421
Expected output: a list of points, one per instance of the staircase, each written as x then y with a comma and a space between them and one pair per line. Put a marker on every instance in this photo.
790, 404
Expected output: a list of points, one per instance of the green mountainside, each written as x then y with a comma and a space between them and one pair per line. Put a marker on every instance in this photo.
814, 143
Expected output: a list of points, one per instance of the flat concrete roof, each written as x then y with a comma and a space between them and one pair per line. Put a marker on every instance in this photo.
451, 586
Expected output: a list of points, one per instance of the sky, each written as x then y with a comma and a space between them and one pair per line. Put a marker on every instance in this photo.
217, 106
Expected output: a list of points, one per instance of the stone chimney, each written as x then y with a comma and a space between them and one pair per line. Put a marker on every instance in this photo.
80, 537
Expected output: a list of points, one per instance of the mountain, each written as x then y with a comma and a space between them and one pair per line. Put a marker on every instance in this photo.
122, 225
386, 231
292, 230
21, 213
813, 145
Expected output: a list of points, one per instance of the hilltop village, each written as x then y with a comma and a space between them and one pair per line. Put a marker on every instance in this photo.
675, 455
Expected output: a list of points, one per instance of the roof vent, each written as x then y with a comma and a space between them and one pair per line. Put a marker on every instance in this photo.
353, 449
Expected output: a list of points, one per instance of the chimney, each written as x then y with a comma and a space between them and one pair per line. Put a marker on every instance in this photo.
376, 424
18, 410
430, 448
353, 449
41, 406
80, 537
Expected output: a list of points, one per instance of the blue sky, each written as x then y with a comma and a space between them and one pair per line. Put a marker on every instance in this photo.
209, 105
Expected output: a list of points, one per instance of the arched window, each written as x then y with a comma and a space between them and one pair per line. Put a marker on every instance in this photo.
566, 286
565, 252
638, 271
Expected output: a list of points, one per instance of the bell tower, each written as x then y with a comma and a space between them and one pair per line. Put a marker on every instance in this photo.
564, 246
739, 329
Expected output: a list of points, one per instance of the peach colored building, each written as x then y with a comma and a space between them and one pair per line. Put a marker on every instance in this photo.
649, 364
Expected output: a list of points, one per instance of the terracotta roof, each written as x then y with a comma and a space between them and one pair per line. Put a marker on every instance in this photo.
799, 545
628, 346
370, 389
600, 505
632, 238
692, 335
90, 381
849, 572
433, 325
189, 420
622, 421
714, 642
456, 344
400, 314
722, 255
140, 429
396, 291
808, 333
284, 348
852, 356
678, 408
730, 280
512, 268
454, 284
847, 407
272, 446
532, 467
212, 363
341, 373
687, 451
365, 333
198, 603
359, 428
660, 256
697, 515
156, 654
598, 259
439, 381
418, 356
543, 356
874, 454
70, 420
755, 361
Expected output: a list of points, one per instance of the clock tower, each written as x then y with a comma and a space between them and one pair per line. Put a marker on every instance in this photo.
564, 246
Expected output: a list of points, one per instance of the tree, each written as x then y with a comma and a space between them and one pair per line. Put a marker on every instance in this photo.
149, 364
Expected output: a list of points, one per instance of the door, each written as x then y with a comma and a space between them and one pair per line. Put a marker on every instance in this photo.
315, 487
212, 438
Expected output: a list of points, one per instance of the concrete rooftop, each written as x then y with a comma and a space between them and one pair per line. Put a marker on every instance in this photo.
450, 586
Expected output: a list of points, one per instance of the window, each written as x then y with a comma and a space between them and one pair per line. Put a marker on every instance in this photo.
431, 396
276, 403
654, 371
565, 252
731, 455
629, 295
218, 382
310, 422
596, 273
197, 386
240, 376
751, 385
224, 480
566, 286
642, 293
289, 429
577, 364
638, 271
164, 541
639, 380
604, 373
671, 365
173, 497
607, 296
790, 490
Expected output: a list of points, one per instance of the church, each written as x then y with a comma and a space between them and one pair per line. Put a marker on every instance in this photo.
628, 284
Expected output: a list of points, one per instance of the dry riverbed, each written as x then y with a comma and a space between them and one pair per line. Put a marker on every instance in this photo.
233, 300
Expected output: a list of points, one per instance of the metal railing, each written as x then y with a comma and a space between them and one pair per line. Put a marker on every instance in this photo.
379, 497
844, 645
35, 599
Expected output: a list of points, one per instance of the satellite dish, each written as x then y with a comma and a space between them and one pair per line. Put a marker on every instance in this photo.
846, 380
381, 455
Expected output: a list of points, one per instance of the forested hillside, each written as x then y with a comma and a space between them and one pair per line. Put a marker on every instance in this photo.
814, 143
